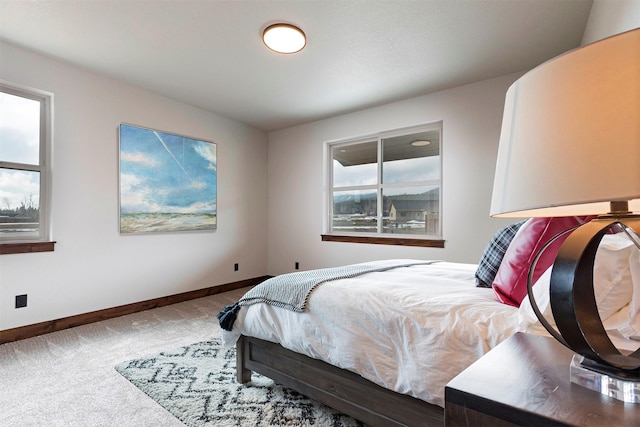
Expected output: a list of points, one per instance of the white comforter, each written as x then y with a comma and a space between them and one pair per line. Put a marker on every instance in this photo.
410, 329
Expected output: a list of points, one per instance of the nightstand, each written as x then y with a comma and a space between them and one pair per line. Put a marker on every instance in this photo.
525, 381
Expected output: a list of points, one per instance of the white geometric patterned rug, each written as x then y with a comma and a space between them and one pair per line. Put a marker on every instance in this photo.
197, 384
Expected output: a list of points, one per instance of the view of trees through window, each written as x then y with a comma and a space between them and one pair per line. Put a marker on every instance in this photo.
19, 214
388, 184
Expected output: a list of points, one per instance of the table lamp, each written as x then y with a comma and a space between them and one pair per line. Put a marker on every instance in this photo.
570, 146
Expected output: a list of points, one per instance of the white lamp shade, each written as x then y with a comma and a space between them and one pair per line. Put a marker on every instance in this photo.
570, 139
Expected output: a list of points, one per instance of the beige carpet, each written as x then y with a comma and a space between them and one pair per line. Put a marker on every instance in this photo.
67, 378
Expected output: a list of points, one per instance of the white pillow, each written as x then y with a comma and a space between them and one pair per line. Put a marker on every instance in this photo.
616, 270
612, 281
626, 322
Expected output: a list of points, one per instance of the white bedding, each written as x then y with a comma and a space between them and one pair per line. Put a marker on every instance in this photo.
410, 329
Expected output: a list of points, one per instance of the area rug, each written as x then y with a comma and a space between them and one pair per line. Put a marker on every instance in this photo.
197, 384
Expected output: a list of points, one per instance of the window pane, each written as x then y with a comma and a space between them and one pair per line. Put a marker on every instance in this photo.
19, 201
411, 210
355, 164
411, 158
19, 129
355, 211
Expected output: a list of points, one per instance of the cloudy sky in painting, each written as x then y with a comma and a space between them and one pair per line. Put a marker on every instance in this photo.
165, 173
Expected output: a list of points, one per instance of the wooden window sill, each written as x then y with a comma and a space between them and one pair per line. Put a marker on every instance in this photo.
25, 248
397, 241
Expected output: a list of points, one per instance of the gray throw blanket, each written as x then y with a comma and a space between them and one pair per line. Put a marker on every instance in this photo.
291, 291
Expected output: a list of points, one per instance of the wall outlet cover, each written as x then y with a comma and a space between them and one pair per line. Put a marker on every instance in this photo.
21, 301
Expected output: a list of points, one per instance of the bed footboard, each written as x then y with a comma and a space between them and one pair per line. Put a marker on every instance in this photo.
342, 390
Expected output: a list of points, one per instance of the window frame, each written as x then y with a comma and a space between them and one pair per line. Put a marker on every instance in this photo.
39, 241
379, 237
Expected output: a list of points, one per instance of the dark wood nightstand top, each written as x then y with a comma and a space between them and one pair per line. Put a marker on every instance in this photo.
525, 381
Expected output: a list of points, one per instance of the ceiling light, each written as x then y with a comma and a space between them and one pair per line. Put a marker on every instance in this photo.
420, 142
284, 38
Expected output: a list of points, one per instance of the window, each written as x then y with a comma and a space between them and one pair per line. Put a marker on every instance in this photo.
386, 186
25, 140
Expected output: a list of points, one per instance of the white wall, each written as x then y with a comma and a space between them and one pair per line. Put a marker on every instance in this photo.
93, 267
471, 116
609, 17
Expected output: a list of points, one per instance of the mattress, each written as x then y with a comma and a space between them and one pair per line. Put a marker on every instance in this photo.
409, 329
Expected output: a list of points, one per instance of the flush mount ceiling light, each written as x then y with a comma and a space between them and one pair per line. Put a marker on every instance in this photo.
284, 38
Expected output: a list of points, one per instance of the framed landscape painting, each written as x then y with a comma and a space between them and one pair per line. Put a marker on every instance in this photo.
168, 182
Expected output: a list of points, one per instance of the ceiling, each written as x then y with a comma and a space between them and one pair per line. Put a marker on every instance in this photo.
359, 53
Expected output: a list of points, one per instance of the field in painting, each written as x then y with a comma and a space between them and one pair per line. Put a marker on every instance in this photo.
161, 222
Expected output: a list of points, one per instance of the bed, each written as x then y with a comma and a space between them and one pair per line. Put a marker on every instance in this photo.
379, 346
380, 340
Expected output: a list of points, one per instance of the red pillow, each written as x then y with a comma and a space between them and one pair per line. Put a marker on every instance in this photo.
510, 283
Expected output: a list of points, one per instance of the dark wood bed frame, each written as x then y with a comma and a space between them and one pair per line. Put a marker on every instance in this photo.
342, 390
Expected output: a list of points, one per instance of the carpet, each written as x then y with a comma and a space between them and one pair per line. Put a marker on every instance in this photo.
197, 384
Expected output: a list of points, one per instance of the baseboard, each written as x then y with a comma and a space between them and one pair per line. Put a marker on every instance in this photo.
36, 329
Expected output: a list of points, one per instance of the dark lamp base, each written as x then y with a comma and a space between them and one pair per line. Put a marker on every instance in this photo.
612, 371
572, 296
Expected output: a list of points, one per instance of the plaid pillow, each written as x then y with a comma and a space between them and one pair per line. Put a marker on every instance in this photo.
493, 254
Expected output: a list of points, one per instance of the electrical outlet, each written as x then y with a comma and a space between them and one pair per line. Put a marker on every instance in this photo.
21, 301
235, 267
297, 265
